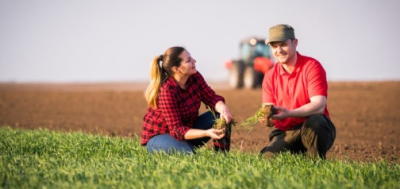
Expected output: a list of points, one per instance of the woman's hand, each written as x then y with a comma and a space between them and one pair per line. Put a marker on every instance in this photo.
226, 114
215, 133
224, 111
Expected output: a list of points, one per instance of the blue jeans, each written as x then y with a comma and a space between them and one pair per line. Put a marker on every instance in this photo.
166, 143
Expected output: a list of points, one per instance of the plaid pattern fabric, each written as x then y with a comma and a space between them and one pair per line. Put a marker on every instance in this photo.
177, 109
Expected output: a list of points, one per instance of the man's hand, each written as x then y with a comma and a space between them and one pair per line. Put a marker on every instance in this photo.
316, 105
283, 113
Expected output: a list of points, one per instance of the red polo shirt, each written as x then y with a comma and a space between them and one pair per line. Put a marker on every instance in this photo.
294, 90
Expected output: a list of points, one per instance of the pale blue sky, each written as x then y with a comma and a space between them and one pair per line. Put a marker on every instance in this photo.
100, 41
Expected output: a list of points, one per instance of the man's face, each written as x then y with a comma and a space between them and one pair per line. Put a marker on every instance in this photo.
284, 51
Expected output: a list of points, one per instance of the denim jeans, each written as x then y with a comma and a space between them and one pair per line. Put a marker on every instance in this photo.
166, 143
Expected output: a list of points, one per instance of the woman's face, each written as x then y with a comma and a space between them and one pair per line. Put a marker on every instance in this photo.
188, 64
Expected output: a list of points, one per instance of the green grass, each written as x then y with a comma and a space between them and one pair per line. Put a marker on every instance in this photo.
48, 159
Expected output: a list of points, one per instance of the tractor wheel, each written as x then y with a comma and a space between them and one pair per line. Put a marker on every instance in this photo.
236, 76
250, 78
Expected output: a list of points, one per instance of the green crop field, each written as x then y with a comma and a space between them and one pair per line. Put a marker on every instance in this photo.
48, 159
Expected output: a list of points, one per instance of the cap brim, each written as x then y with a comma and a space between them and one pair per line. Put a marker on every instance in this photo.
277, 40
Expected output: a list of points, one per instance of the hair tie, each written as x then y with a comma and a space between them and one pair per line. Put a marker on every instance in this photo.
160, 58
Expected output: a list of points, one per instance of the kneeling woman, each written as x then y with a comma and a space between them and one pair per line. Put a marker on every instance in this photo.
172, 122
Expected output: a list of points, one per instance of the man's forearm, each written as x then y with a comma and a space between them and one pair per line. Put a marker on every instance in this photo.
316, 106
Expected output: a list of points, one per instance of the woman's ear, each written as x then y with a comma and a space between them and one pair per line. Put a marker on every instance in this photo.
175, 69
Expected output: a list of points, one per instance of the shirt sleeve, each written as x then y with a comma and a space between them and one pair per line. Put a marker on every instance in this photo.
267, 94
208, 95
168, 104
317, 82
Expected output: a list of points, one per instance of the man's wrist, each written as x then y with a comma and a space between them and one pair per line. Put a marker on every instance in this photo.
291, 113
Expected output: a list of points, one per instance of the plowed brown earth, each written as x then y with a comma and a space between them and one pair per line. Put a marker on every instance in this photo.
366, 114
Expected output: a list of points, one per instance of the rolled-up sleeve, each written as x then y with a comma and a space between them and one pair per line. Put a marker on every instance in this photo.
168, 104
208, 95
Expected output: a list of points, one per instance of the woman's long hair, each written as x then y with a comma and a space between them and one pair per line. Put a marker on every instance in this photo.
160, 70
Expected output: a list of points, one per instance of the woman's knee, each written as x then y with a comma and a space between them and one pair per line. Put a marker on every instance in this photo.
166, 143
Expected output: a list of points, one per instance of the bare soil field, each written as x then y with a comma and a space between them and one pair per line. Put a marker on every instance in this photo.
366, 114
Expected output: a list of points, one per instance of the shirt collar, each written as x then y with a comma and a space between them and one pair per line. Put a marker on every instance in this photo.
297, 67
170, 82
173, 83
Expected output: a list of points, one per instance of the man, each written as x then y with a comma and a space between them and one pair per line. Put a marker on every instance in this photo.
298, 89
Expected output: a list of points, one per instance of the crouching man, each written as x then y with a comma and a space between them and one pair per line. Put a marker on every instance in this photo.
297, 87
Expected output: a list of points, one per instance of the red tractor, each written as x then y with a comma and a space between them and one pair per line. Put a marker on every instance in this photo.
255, 59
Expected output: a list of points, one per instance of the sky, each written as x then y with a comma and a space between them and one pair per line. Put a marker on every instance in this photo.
115, 41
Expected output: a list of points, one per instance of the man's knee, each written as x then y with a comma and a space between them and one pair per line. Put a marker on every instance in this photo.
314, 121
318, 134
268, 154
319, 125
269, 151
278, 144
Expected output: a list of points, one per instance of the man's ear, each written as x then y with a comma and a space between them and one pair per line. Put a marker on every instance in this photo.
295, 42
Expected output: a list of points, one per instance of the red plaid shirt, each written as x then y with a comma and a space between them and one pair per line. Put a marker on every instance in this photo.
177, 109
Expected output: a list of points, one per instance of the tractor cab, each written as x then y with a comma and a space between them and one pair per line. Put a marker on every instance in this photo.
253, 48
254, 60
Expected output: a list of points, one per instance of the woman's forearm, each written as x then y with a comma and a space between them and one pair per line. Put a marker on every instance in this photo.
219, 106
195, 133
198, 133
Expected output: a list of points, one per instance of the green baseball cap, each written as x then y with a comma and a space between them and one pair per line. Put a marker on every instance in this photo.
281, 32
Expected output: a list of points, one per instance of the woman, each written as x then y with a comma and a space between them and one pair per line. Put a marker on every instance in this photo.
174, 96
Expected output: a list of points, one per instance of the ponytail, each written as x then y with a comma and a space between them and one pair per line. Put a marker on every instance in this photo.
160, 72
151, 93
